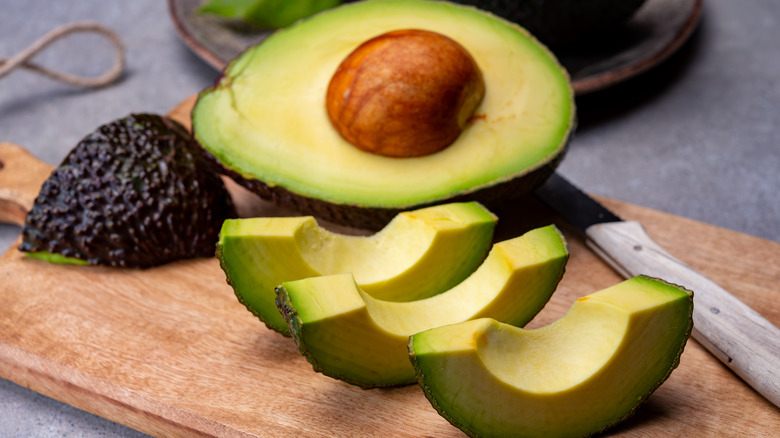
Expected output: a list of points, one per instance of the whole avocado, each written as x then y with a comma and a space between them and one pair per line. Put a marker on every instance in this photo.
134, 193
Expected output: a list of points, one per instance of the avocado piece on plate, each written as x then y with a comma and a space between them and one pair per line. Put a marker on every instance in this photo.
347, 334
291, 121
134, 193
579, 375
418, 254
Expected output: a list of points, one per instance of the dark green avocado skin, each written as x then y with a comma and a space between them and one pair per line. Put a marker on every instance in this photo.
134, 193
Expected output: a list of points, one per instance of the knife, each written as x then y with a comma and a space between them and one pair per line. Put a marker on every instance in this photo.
737, 335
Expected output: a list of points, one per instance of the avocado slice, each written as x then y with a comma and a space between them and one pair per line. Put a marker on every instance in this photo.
347, 334
418, 254
575, 377
264, 122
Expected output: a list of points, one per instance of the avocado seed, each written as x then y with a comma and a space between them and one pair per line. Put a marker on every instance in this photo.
404, 93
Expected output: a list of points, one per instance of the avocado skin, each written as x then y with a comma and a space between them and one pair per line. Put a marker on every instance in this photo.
374, 218
561, 22
134, 193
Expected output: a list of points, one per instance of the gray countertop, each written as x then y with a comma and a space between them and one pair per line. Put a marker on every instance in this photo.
695, 137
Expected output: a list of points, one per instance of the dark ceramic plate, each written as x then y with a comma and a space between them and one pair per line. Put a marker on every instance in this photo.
656, 31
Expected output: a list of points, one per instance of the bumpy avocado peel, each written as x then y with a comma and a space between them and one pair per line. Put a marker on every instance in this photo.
134, 193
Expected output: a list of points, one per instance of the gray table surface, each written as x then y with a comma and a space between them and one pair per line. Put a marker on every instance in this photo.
696, 137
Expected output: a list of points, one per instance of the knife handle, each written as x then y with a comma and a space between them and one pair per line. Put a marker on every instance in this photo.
741, 338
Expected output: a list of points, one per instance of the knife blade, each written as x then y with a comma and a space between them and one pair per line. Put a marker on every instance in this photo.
737, 335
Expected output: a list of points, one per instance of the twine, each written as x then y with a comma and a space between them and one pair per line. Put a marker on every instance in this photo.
22, 59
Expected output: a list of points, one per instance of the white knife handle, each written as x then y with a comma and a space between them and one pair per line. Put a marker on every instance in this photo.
736, 334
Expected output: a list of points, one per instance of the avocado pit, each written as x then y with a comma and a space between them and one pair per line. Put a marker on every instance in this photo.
404, 93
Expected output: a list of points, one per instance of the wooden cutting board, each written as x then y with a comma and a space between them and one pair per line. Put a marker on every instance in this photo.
170, 351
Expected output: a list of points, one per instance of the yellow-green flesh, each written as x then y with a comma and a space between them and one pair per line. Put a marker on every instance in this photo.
574, 377
266, 117
55, 258
418, 254
347, 334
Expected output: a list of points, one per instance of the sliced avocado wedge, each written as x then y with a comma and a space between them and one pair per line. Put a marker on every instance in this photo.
575, 377
265, 124
349, 335
418, 254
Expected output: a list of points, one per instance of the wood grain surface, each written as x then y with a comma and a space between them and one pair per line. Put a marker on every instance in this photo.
170, 351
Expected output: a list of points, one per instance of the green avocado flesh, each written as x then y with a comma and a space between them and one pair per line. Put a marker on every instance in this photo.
55, 258
575, 377
418, 254
265, 120
347, 334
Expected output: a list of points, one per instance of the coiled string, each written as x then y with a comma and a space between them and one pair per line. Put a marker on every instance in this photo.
23, 58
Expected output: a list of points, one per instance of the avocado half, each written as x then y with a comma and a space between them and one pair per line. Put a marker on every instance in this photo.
347, 334
575, 377
264, 122
418, 254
